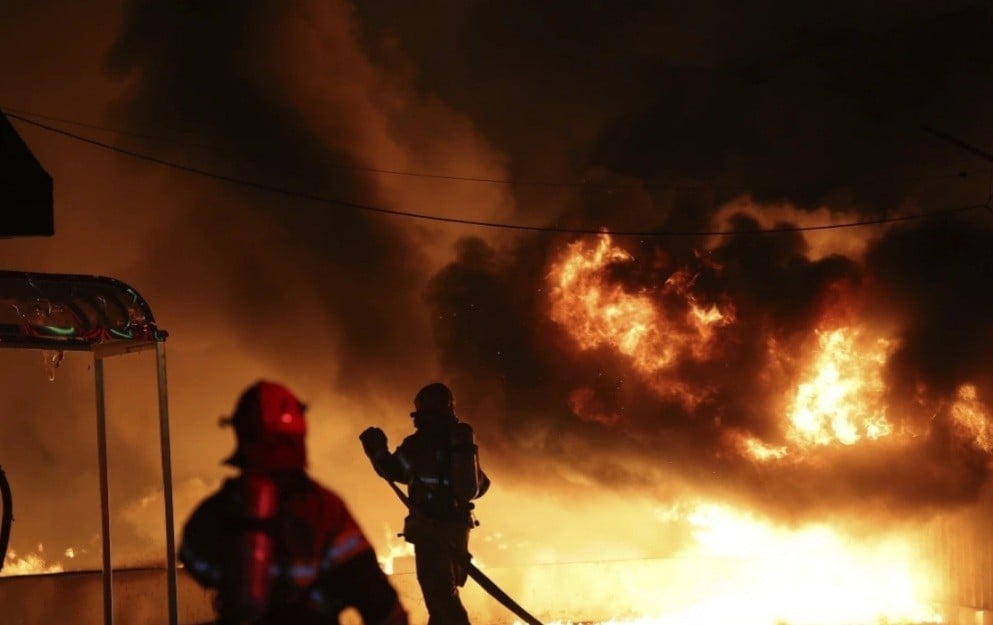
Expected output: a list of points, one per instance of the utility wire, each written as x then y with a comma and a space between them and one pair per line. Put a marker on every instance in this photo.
436, 176
969, 148
349, 167
960, 143
474, 222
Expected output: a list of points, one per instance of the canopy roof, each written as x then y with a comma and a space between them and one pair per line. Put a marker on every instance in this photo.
103, 316
73, 312
25, 188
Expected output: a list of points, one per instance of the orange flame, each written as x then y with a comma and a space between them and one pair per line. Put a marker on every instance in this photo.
766, 574
970, 416
31, 563
597, 312
762, 451
840, 396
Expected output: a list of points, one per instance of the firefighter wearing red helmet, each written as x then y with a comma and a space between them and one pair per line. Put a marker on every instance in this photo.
277, 546
440, 465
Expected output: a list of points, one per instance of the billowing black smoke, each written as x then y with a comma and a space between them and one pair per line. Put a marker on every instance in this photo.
517, 370
796, 105
806, 107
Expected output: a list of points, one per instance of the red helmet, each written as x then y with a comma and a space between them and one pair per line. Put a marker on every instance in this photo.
270, 426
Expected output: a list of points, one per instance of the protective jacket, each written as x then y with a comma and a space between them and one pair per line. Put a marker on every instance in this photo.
439, 464
308, 559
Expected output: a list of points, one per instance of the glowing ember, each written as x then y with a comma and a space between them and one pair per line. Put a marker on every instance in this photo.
29, 564
597, 312
840, 396
969, 414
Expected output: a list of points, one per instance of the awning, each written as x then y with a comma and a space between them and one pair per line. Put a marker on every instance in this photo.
64, 312
74, 312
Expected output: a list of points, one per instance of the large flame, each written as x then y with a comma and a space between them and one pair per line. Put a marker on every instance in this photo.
598, 312
809, 575
742, 569
971, 417
840, 396
816, 574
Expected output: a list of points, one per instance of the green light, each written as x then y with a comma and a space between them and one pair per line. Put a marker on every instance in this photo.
60, 331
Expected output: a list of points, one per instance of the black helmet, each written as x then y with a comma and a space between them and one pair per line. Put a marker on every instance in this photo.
434, 399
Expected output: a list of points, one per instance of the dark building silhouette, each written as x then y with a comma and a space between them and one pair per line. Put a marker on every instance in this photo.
25, 188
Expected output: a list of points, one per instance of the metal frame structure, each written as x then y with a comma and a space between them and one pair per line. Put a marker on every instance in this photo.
105, 317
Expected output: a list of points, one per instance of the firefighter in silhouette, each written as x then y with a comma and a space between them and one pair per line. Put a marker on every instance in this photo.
279, 548
440, 466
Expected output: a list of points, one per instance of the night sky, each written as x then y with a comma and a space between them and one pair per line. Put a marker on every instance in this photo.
625, 116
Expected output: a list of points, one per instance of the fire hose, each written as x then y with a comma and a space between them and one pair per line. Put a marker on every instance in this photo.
465, 559
8, 516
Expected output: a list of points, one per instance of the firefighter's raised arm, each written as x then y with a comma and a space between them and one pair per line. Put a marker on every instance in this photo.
387, 465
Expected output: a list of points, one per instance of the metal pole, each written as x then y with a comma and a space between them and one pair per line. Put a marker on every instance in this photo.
167, 481
108, 570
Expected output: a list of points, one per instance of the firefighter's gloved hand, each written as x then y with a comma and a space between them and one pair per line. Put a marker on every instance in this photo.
373, 441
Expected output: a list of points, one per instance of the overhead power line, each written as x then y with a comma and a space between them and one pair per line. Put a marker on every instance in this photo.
960, 143
368, 169
969, 148
473, 222
648, 186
